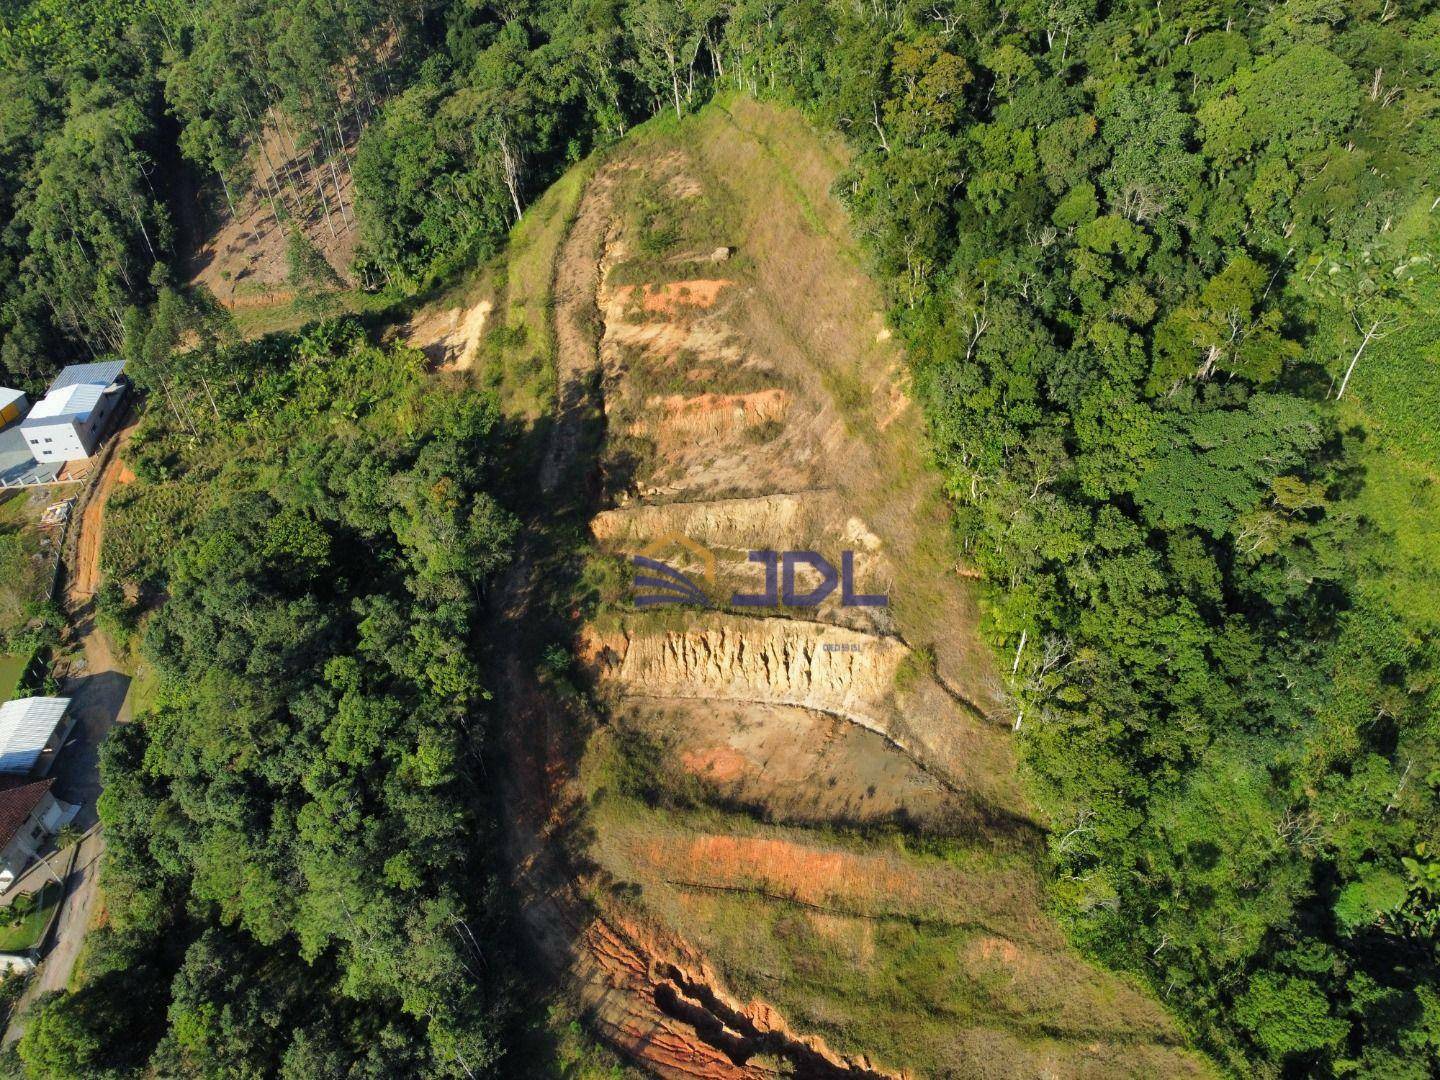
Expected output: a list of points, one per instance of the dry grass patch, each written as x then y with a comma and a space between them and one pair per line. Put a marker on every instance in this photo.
916, 958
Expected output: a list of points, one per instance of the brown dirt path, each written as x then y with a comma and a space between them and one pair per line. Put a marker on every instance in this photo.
578, 271
84, 576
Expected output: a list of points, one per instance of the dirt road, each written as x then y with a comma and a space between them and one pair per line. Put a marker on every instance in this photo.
83, 577
76, 910
98, 690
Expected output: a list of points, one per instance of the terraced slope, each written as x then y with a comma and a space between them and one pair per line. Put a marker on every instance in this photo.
793, 841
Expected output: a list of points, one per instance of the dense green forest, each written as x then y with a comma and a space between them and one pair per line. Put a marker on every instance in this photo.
1167, 276
295, 837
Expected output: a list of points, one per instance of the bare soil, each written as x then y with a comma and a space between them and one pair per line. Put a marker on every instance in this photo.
791, 764
84, 577
450, 337
242, 261
670, 296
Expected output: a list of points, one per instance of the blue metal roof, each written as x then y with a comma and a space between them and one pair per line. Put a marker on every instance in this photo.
102, 375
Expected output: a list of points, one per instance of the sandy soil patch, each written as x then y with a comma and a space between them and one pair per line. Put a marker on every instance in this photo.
450, 338
717, 764
670, 296
711, 414
795, 765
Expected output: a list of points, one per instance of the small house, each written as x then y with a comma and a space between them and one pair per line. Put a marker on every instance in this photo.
29, 817
32, 730
71, 419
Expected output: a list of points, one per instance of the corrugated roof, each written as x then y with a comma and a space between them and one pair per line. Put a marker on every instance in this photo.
75, 400
17, 803
25, 727
101, 375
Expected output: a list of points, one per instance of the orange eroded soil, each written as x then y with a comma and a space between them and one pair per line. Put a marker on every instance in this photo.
718, 764
682, 416
670, 296
85, 575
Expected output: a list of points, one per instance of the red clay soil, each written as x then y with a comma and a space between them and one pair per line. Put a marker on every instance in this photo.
672, 295
85, 574
646, 995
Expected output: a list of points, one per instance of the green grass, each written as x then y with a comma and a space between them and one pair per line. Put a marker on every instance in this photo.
519, 353
12, 667
261, 319
144, 687
902, 972
26, 934
574, 1053
779, 160
23, 575
1393, 397
15, 511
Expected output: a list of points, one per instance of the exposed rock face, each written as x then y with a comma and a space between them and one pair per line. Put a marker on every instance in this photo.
773, 661
788, 520
684, 416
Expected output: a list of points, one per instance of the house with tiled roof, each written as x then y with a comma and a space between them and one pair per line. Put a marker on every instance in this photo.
29, 816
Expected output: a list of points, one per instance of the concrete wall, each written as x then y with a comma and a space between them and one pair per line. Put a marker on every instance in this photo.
58, 441
46, 761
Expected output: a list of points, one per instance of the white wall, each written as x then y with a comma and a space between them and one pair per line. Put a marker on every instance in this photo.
59, 441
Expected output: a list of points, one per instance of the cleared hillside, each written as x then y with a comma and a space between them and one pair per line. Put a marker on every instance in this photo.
753, 840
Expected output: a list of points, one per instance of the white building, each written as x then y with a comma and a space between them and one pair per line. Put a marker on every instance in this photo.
68, 422
32, 730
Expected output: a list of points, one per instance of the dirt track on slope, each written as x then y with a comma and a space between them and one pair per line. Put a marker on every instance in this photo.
84, 578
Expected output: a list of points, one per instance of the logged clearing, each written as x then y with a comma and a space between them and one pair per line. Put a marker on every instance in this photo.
774, 841
243, 257
243, 262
